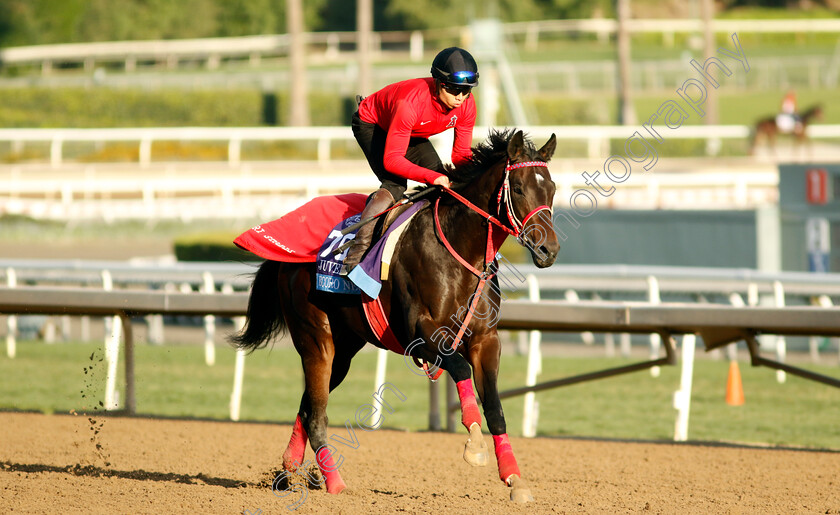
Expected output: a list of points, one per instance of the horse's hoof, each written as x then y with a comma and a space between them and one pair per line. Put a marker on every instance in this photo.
336, 487
519, 491
475, 450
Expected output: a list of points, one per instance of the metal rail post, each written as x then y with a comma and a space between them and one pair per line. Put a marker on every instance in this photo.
239, 367
113, 331
530, 414
781, 342
682, 397
209, 324
655, 342
11, 320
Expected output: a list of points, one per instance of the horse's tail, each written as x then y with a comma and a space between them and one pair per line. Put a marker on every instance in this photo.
264, 317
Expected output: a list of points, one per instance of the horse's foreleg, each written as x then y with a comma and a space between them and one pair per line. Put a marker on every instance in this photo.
486, 368
508, 468
476, 452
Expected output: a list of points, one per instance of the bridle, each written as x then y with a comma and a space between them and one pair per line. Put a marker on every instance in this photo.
504, 206
503, 198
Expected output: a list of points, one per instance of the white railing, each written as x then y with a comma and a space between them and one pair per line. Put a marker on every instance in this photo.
412, 43
667, 27
596, 137
266, 198
718, 325
233, 136
715, 322
167, 195
59, 188
696, 282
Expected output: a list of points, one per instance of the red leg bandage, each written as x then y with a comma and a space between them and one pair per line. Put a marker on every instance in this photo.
469, 408
330, 470
293, 456
504, 457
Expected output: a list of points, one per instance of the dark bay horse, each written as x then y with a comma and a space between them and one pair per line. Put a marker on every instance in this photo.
440, 264
767, 130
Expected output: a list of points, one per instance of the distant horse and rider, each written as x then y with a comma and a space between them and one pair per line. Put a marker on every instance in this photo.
788, 122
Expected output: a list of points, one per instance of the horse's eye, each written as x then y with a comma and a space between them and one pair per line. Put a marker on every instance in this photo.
517, 190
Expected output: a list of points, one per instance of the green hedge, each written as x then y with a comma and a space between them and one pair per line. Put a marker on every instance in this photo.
211, 246
104, 107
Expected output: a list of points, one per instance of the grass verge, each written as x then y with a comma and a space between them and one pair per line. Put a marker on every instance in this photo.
174, 381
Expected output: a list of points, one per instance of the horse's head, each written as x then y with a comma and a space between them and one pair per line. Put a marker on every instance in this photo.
815, 112
527, 205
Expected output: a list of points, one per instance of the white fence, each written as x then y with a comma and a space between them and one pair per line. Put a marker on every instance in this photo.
328, 45
717, 324
596, 137
241, 188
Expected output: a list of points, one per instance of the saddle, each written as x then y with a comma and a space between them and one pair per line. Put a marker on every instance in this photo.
384, 222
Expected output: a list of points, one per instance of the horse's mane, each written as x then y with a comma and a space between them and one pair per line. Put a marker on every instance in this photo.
485, 155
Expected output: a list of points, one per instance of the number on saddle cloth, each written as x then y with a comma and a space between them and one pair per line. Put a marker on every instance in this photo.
327, 276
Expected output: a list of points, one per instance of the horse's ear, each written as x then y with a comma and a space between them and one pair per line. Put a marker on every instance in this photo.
516, 146
548, 149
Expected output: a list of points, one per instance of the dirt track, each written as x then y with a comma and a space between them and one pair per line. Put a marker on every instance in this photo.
50, 464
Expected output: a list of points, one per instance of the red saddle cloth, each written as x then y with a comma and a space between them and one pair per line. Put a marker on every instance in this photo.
296, 237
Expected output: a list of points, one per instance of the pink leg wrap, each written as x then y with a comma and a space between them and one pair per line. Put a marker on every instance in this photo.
469, 408
504, 457
293, 456
330, 471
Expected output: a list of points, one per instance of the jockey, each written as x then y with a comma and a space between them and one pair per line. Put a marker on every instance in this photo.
788, 119
393, 126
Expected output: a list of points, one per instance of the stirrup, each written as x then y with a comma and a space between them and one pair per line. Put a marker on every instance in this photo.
345, 271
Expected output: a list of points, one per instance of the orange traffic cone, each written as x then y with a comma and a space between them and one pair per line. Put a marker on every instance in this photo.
734, 388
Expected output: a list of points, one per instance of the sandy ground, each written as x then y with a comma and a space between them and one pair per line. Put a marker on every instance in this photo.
81, 464
96, 464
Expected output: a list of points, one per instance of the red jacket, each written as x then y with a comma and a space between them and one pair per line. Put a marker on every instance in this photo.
409, 109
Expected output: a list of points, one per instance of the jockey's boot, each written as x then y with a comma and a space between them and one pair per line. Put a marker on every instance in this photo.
379, 201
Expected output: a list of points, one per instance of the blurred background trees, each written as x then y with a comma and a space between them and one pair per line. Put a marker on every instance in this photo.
32, 22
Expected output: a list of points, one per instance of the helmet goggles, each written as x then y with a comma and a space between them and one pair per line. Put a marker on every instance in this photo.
465, 77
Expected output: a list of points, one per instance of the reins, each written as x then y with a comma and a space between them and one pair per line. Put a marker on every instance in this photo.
491, 248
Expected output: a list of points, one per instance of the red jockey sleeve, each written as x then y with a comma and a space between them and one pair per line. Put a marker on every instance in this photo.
462, 146
396, 145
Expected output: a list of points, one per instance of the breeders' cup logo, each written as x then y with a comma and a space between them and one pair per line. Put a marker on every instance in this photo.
328, 265
452, 121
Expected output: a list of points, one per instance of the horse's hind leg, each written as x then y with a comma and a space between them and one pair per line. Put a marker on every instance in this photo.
317, 367
293, 456
310, 329
325, 365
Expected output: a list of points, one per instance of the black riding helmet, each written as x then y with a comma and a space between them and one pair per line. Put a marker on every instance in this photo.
455, 66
